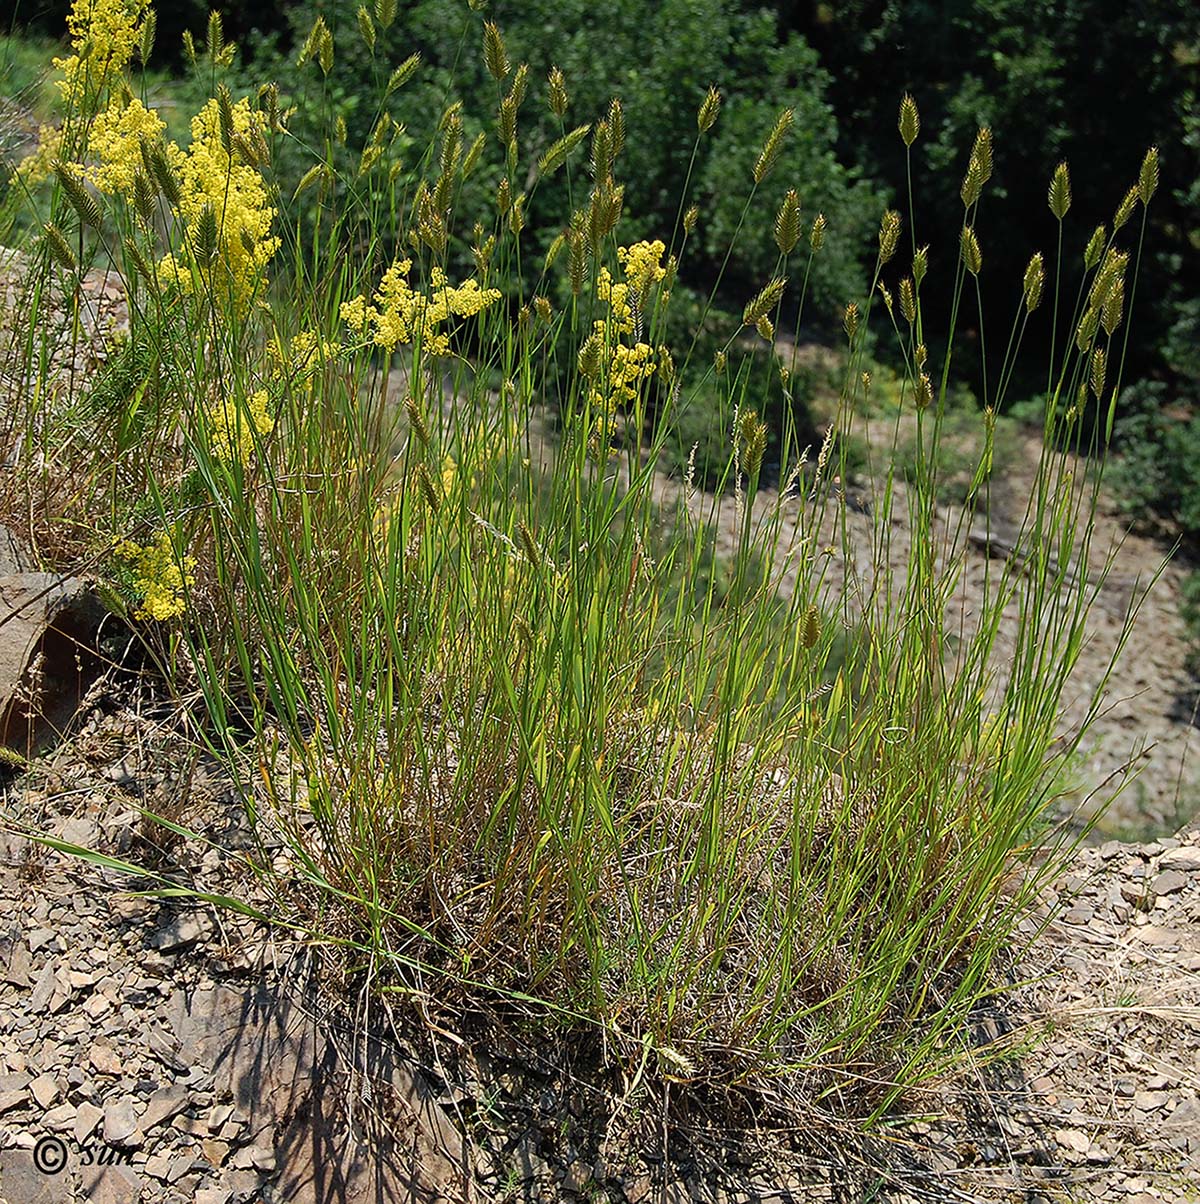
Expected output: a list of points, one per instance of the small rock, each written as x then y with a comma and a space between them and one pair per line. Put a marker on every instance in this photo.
180, 1167
218, 1115
1079, 914
121, 1124
1169, 882
164, 1104
10, 1100
158, 1166
215, 1152
262, 1158
103, 1057
111, 1185
1073, 1139
578, 1176
40, 938
87, 1117
1137, 895
637, 1190
212, 1195
60, 1119
1186, 859
44, 1089
43, 990
1110, 849
1150, 1101
181, 933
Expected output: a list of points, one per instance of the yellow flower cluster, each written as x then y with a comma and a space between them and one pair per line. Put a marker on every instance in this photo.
115, 143
212, 177
160, 577
38, 165
616, 368
643, 266
232, 427
402, 314
103, 36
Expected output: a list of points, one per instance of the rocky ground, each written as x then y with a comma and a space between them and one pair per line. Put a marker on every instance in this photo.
157, 1052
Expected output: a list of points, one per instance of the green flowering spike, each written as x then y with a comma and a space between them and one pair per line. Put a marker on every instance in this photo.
773, 145
1035, 278
557, 96
58, 248
402, 74
971, 254
910, 120
1091, 254
710, 106
762, 304
908, 301
1059, 197
787, 223
1148, 176
146, 34
920, 265
366, 27
495, 57
556, 156
889, 235
816, 238
85, 205
1125, 209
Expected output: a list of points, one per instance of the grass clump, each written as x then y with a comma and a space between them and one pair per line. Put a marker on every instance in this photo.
466, 652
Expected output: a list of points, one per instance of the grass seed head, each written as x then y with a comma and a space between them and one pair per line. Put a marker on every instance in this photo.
1095, 247
385, 12
920, 265
1035, 278
86, 206
889, 235
908, 301
1085, 333
850, 319
910, 120
1097, 374
710, 107
495, 57
529, 545
787, 223
769, 154
765, 301
971, 254
810, 632
1125, 208
366, 27
924, 398
402, 74
751, 436
1148, 176
57, 247
690, 218
816, 238
146, 36
1113, 308
557, 96
1059, 196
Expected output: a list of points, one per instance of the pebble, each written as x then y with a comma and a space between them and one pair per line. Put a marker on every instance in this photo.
1185, 859
121, 1123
